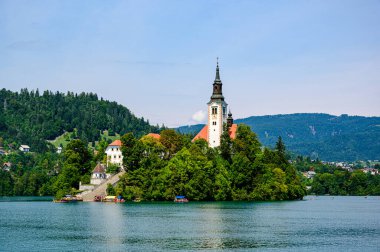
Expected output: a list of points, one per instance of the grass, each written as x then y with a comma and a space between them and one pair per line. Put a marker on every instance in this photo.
65, 138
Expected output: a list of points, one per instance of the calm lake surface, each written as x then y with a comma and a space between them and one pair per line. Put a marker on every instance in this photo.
314, 224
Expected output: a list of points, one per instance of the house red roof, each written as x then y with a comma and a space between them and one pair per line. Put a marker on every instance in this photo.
115, 143
203, 134
99, 168
154, 135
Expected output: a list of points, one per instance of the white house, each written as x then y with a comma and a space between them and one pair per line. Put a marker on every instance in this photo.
114, 155
24, 148
99, 175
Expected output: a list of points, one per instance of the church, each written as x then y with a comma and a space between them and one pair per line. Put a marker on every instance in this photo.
217, 116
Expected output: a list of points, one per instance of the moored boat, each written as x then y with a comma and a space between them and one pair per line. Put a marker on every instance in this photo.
180, 199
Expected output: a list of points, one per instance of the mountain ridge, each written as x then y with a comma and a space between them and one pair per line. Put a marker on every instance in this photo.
319, 135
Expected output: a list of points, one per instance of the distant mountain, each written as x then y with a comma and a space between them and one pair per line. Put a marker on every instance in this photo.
327, 137
28, 117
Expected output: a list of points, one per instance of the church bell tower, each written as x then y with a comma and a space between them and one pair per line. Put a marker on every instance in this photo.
217, 111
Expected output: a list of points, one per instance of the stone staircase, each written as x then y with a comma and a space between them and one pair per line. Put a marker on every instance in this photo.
101, 189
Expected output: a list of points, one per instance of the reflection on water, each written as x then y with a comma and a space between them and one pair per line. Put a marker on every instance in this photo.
319, 223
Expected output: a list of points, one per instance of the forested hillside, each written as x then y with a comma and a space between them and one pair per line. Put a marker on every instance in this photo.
28, 117
321, 136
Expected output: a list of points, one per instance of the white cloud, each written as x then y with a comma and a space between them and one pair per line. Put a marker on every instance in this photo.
199, 116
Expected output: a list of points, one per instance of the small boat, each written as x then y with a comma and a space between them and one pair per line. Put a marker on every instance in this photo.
180, 199
98, 198
109, 199
60, 201
137, 200
68, 199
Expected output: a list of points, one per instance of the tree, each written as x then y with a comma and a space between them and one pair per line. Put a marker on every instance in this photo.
226, 144
172, 141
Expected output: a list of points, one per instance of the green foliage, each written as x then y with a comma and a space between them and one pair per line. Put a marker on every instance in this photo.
113, 169
77, 164
237, 171
31, 118
110, 190
345, 183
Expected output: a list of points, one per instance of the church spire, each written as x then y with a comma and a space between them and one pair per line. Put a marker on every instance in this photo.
217, 93
217, 76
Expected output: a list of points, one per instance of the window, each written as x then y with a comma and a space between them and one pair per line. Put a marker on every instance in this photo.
213, 123
119, 156
214, 110
114, 156
224, 110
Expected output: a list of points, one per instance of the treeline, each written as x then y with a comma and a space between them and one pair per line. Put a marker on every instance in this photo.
346, 183
160, 169
28, 117
238, 170
49, 173
28, 174
333, 180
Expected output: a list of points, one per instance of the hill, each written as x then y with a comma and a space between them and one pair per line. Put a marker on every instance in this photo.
328, 137
28, 117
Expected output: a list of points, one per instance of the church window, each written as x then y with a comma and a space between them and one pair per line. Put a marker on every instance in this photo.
224, 110
114, 156
214, 110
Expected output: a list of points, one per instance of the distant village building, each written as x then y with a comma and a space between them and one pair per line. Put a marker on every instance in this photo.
24, 148
114, 155
371, 171
7, 166
309, 174
59, 150
217, 116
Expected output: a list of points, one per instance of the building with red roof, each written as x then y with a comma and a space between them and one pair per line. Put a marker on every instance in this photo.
114, 155
154, 135
217, 116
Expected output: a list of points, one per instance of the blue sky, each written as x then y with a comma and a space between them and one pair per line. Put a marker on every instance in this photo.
158, 57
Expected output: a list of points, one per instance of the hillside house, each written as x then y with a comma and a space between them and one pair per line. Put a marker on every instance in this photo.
7, 166
24, 148
114, 155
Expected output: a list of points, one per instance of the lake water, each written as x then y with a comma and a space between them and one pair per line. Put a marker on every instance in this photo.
314, 224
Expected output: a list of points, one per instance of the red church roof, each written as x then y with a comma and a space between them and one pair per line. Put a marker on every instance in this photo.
203, 134
232, 131
115, 143
154, 135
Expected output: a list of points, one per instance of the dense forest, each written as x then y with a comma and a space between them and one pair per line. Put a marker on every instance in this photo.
31, 118
160, 169
323, 136
237, 170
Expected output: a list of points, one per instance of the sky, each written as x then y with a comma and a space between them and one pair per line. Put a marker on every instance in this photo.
158, 57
